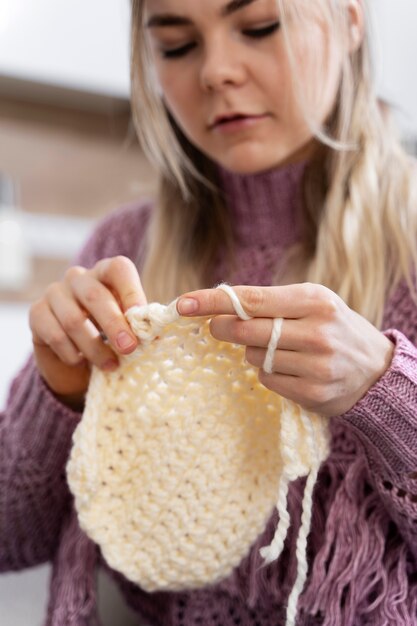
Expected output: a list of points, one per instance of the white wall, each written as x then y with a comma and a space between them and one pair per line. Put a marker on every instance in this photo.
395, 38
81, 44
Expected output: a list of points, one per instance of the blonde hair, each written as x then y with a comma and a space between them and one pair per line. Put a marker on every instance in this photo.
360, 204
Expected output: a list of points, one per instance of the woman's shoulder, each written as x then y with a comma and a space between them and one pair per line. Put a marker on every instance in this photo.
118, 233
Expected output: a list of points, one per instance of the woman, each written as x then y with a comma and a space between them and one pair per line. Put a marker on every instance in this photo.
279, 173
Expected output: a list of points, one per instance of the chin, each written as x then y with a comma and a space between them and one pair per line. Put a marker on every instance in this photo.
255, 161
252, 166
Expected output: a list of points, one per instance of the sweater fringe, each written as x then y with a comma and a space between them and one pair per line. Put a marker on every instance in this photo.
347, 582
348, 579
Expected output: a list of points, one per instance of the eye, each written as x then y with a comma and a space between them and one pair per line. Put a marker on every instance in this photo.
258, 33
177, 52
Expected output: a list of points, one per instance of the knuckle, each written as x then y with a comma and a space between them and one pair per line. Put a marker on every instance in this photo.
73, 359
121, 274
326, 371
52, 289
324, 342
312, 291
74, 272
325, 300
333, 303
317, 395
130, 297
122, 261
320, 340
114, 324
252, 300
72, 322
107, 267
329, 307
130, 293
56, 339
214, 300
240, 332
92, 294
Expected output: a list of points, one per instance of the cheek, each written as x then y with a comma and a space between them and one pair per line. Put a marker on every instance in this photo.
278, 82
292, 123
179, 94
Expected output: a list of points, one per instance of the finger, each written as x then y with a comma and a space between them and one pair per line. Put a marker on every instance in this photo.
289, 363
76, 325
47, 332
121, 276
295, 334
290, 301
104, 310
309, 395
290, 387
255, 332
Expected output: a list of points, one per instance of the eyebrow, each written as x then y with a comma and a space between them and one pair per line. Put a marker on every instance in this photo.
167, 19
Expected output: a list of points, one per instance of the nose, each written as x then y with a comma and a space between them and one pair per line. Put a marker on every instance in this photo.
221, 67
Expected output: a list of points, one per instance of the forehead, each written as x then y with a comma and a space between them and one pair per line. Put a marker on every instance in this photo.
224, 8
219, 7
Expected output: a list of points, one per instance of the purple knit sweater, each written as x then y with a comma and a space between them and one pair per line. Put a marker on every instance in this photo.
362, 549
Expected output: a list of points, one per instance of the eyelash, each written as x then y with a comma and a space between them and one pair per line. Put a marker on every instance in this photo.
254, 33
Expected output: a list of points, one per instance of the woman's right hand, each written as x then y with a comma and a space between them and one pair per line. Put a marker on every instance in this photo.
70, 321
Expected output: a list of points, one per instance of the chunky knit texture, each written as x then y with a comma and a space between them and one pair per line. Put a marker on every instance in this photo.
176, 488
362, 548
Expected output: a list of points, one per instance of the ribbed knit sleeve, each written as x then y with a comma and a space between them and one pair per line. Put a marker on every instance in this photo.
36, 429
385, 420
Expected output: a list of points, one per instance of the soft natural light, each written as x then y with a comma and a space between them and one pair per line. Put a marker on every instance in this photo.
8, 10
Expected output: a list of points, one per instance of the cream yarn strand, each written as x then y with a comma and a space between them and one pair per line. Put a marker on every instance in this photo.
288, 443
240, 312
301, 546
273, 344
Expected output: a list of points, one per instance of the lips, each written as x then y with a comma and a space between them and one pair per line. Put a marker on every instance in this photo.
228, 117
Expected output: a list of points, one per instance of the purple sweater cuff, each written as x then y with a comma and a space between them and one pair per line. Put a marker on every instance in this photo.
385, 419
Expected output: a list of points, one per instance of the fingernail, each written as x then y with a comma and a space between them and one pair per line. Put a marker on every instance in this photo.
187, 305
110, 366
125, 341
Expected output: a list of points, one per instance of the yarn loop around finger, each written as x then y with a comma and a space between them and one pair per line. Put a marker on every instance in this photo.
276, 326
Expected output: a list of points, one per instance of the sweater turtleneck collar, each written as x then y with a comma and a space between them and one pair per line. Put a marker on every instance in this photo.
266, 208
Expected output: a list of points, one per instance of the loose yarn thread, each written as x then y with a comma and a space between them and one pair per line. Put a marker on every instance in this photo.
300, 433
273, 551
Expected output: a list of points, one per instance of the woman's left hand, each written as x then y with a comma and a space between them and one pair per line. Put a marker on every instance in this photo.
327, 357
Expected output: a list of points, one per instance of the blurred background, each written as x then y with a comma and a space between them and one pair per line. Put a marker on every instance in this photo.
68, 155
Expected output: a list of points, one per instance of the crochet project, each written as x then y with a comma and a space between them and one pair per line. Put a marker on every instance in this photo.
182, 454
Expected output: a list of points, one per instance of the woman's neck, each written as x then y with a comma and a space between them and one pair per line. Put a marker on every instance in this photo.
265, 208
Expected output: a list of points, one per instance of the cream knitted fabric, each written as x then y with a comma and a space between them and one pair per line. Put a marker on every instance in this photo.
181, 456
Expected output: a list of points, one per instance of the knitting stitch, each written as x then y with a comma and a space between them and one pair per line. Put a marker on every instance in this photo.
178, 460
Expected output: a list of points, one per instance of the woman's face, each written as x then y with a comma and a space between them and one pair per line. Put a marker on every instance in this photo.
225, 76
